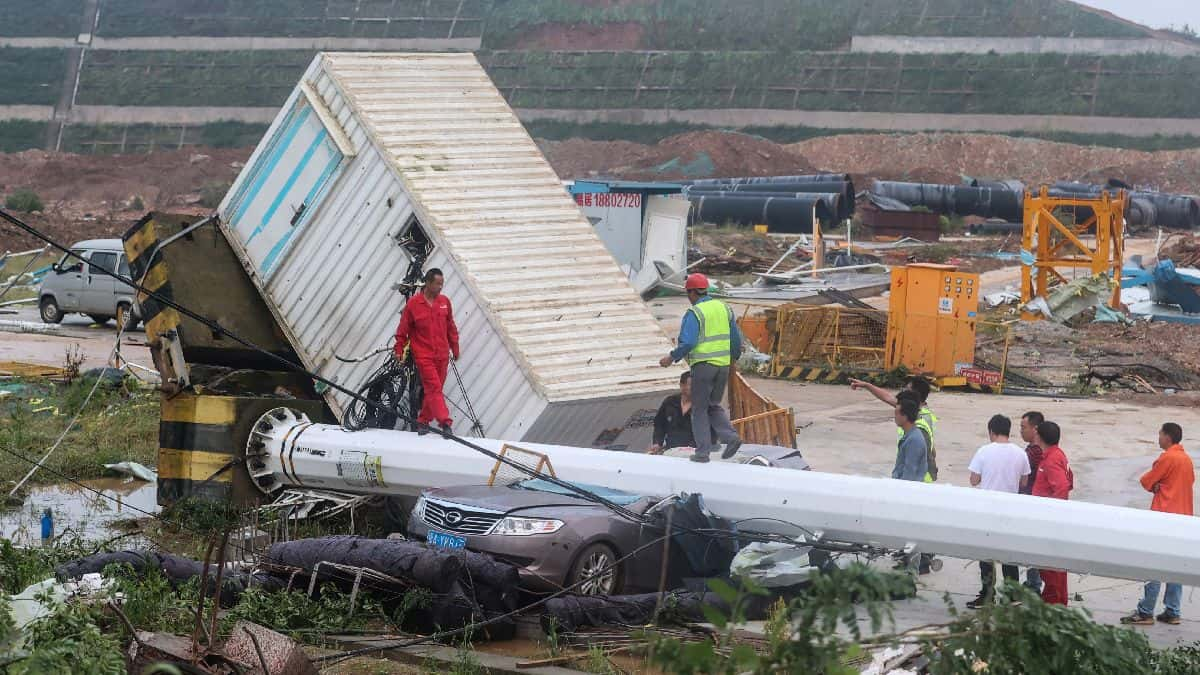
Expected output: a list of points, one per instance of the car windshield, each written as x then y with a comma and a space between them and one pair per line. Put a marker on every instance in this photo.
615, 496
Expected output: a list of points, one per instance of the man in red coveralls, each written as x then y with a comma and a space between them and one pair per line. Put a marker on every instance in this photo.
1055, 480
427, 324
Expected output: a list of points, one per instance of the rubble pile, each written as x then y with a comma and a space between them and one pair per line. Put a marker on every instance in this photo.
1181, 248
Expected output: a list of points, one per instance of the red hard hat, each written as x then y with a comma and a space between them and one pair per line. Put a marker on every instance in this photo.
696, 282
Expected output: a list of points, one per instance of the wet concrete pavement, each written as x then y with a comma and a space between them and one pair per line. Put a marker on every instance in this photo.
93, 342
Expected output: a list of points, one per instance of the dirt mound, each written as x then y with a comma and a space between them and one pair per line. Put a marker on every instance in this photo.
946, 158
697, 154
77, 185
92, 196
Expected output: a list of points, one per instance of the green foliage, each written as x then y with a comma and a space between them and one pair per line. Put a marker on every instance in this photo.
230, 134
151, 603
801, 635
296, 18
296, 614
176, 78
70, 639
919, 83
18, 135
597, 662
787, 25
139, 138
203, 517
55, 18
118, 425
31, 76
24, 200
22, 566
1035, 638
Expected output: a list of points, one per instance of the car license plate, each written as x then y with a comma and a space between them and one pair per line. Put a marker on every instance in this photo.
445, 540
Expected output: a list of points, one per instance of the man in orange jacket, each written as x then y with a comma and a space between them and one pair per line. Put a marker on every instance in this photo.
427, 324
1054, 480
1171, 480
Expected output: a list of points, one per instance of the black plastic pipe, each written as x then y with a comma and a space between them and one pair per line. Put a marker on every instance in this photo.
792, 215
963, 200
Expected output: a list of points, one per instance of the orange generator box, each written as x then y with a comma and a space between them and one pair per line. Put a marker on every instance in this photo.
931, 321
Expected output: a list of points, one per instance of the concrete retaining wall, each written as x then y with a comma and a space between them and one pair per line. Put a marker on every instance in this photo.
905, 44
40, 113
111, 114
1127, 126
208, 44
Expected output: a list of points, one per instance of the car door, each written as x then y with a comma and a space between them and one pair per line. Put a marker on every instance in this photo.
100, 290
68, 282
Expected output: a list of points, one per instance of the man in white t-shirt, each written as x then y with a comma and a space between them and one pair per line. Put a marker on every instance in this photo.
1003, 467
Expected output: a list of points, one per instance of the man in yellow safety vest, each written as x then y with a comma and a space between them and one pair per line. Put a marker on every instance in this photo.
918, 389
710, 341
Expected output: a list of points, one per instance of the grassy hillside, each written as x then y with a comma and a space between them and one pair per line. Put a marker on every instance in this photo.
294, 18
31, 76
788, 24
1136, 86
152, 78
46, 18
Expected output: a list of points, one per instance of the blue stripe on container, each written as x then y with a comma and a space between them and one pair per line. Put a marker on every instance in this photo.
311, 200
276, 154
290, 183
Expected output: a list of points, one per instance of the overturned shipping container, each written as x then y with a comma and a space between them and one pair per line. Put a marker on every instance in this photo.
375, 156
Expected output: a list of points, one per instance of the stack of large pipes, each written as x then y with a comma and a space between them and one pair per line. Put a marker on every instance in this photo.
782, 203
1005, 200
999, 199
1145, 209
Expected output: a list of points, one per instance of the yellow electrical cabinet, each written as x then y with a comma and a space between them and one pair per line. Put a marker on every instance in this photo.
931, 321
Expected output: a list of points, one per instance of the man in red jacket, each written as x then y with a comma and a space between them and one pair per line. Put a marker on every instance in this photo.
427, 325
1054, 480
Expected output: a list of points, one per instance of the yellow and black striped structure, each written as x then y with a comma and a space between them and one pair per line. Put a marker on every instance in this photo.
814, 374
204, 426
202, 444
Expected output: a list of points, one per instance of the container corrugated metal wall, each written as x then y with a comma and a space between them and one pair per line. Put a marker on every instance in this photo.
369, 140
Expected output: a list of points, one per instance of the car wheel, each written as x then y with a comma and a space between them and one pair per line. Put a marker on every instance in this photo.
100, 318
595, 571
50, 311
125, 318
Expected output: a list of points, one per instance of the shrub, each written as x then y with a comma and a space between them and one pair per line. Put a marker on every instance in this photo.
24, 200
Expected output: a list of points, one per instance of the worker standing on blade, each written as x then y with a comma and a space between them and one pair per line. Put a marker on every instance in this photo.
710, 340
1054, 480
1171, 479
427, 326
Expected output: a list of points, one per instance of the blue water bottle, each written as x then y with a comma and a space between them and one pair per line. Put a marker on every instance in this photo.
47, 525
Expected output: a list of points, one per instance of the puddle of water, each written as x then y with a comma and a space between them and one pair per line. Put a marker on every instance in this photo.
78, 510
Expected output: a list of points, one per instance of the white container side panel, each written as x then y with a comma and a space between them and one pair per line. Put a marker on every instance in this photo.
352, 308
625, 423
557, 295
368, 141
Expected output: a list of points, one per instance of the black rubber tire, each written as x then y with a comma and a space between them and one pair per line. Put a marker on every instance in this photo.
49, 309
595, 556
99, 318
